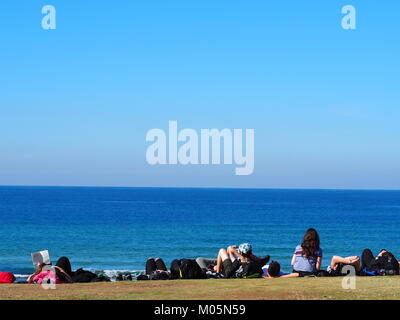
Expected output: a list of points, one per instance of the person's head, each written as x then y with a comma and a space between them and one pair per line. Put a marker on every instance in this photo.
310, 243
274, 269
245, 249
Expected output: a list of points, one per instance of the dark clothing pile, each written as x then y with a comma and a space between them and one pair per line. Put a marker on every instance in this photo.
238, 269
186, 269
84, 276
180, 269
383, 265
155, 270
79, 276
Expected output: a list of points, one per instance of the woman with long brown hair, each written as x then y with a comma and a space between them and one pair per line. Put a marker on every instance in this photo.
307, 256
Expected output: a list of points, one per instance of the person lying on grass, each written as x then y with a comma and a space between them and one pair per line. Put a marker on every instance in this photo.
156, 270
385, 263
273, 270
60, 273
232, 261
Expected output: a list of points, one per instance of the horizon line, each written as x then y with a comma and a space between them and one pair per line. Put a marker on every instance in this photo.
209, 187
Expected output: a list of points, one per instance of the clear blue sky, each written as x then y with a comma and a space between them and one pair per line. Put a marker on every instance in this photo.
76, 102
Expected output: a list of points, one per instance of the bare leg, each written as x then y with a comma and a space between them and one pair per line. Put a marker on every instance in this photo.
354, 260
218, 266
222, 256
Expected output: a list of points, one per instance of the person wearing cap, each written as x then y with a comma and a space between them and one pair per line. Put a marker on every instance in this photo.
230, 260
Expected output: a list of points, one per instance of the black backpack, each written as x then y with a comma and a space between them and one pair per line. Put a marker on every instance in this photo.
251, 269
186, 269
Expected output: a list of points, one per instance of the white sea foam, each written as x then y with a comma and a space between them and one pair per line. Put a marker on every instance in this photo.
112, 274
21, 275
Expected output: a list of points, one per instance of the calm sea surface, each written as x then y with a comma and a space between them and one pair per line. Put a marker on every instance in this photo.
113, 229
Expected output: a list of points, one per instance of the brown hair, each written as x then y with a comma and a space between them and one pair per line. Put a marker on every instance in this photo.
310, 243
274, 269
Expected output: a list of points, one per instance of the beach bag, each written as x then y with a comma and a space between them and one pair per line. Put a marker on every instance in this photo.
6, 277
186, 269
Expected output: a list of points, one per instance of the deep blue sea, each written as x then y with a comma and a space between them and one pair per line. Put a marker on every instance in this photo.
117, 229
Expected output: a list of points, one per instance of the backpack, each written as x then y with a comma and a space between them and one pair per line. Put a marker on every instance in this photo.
253, 268
186, 269
6, 277
249, 270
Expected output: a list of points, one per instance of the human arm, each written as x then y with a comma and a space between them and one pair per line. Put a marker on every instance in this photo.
30, 278
290, 275
66, 275
293, 260
318, 264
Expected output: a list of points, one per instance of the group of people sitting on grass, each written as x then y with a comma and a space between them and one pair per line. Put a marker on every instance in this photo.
240, 262
233, 262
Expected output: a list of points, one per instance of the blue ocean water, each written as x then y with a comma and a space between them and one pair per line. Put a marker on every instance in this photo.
115, 229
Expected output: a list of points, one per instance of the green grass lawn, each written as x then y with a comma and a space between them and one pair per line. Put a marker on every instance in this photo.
275, 289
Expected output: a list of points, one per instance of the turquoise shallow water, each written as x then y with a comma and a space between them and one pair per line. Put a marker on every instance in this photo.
115, 229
